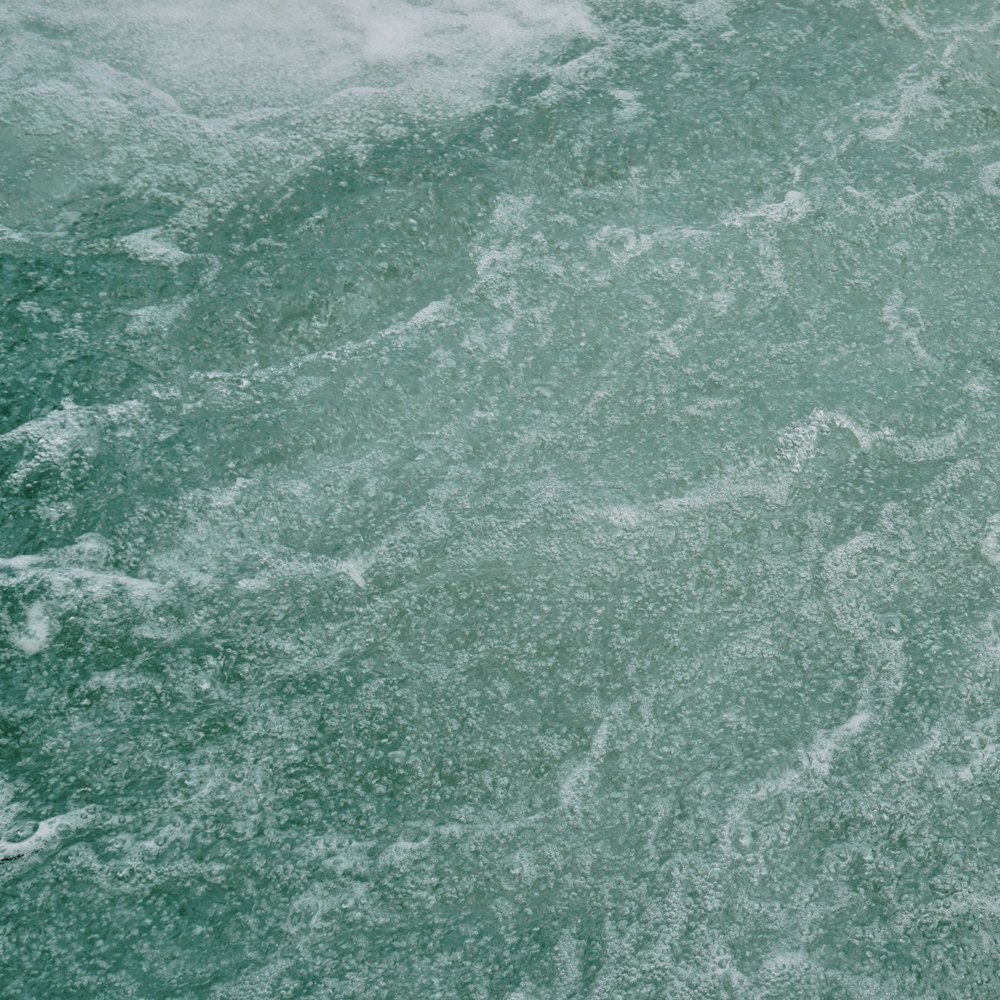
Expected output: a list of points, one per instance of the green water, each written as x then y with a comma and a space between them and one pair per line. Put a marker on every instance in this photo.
499, 500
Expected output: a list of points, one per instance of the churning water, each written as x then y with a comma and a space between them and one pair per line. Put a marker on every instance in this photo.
499, 499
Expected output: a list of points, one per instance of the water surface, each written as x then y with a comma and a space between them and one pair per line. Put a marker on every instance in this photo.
499, 500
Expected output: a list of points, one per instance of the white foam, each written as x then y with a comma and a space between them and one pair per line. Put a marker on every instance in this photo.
933, 447
629, 107
353, 568
798, 443
815, 762
55, 438
794, 206
989, 548
907, 322
622, 245
666, 344
708, 13
402, 852
989, 177
781, 961
625, 515
915, 97
227, 58
150, 247
47, 831
244, 92
10, 238
34, 636
76, 570
67, 433
819, 756
574, 785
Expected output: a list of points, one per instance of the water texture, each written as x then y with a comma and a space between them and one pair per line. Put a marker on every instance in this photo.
499, 499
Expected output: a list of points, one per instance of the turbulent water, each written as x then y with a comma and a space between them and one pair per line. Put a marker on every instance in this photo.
500, 499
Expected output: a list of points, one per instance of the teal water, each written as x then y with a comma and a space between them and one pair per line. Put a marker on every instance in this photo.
499, 499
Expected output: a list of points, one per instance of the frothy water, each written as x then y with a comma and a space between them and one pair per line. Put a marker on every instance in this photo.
499, 500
